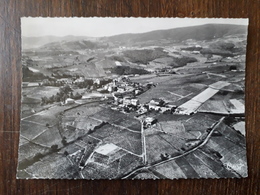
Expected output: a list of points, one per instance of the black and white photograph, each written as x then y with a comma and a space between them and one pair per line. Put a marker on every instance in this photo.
132, 98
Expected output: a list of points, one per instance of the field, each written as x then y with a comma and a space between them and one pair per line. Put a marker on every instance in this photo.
146, 175
54, 166
232, 135
48, 117
200, 167
157, 145
29, 150
214, 106
115, 170
196, 165
170, 170
118, 119
234, 156
128, 140
200, 122
83, 110
49, 137
82, 149
170, 89
31, 129
39, 92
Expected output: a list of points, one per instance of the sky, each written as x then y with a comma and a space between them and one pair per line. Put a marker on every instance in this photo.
99, 27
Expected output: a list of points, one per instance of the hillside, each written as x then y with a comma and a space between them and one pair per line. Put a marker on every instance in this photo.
202, 32
35, 42
72, 45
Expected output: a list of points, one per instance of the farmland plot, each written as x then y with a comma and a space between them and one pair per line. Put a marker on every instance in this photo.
115, 170
53, 166
123, 138
83, 110
49, 137
156, 145
201, 169
30, 129
29, 150
233, 156
170, 170
119, 119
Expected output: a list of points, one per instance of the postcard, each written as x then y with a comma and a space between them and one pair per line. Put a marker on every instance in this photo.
132, 98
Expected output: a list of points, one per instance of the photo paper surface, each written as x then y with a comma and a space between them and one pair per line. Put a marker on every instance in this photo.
133, 98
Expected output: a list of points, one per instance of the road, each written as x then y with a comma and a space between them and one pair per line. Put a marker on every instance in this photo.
143, 142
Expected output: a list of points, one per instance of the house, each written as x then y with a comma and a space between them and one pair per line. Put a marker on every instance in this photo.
32, 84
157, 102
153, 106
126, 101
64, 80
96, 81
195, 52
137, 92
134, 102
120, 90
141, 110
118, 63
149, 121
79, 80
69, 101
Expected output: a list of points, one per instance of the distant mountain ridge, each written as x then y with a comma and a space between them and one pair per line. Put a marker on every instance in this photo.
36, 42
200, 32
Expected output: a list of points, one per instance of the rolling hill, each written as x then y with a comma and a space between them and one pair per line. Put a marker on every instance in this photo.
35, 42
201, 32
71, 45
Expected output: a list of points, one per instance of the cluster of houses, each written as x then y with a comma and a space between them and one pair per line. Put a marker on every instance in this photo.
122, 86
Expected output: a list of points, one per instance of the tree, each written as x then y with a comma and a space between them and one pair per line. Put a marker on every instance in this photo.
65, 90
37, 157
66, 153
54, 148
44, 100
64, 141
77, 96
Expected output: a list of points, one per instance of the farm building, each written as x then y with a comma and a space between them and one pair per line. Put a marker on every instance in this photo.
149, 121
69, 101
134, 102
118, 63
107, 154
157, 102
32, 84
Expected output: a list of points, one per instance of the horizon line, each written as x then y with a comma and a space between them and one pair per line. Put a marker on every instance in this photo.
133, 33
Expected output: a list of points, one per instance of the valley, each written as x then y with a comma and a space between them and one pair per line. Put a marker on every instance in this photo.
163, 104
